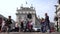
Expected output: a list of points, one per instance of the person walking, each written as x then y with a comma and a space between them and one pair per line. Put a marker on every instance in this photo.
16, 27
29, 26
8, 23
32, 23
22, 26
3, 26
47, 21
43, 25
0, 23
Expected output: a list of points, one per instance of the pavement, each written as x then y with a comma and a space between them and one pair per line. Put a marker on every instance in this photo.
29, 33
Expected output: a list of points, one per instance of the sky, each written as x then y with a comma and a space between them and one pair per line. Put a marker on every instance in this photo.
9, 7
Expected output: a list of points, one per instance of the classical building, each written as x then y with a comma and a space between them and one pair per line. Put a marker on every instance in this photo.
58, 11
23, 12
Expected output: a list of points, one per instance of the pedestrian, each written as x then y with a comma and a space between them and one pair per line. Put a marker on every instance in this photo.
3, 26
16, 27
43, 25
47, 21
22, 26
26, 29
0, 23
30, 26
8, 23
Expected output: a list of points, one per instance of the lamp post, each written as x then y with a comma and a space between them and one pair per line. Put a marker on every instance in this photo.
56, 17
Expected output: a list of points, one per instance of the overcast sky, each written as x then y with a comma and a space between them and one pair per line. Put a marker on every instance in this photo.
9, 7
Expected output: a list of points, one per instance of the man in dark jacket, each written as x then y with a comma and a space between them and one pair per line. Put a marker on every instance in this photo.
47, 20
8, 23
22, 26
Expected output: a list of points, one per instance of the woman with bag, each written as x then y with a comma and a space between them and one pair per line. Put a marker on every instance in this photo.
43, 25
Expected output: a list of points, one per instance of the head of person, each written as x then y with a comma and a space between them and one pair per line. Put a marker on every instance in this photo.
46, 14
42, 19
9, 17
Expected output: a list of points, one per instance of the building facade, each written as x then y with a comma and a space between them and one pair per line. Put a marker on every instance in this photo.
23, 12
58, 12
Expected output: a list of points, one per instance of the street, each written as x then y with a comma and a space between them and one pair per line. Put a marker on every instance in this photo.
30, 33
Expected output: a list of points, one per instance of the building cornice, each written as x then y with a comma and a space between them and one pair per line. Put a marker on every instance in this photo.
24, 14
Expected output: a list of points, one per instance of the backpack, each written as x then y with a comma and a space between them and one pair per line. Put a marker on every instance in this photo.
8, 22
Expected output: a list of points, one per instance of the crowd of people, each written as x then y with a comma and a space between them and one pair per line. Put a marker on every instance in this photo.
29, 26
45, 25
6, 25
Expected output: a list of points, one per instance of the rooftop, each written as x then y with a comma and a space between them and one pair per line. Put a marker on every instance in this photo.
26, 9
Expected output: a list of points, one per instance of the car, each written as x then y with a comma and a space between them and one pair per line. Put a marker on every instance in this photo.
37, 29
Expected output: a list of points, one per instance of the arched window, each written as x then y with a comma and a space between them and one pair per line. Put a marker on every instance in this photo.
29, 16
56, 18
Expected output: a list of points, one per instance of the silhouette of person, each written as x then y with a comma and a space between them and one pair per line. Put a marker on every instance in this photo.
47, 20
8, 23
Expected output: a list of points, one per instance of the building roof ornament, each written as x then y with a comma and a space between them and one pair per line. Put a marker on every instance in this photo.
26, 8
21, 5
26, 2
31, 5
17, 8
